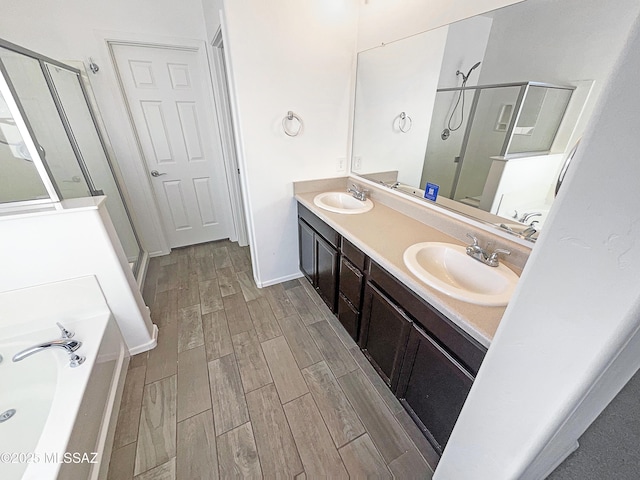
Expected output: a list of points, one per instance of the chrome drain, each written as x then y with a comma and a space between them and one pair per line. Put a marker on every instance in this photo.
4, 416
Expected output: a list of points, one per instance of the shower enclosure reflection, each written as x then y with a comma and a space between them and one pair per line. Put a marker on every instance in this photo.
19, 179
504, 123
68, 157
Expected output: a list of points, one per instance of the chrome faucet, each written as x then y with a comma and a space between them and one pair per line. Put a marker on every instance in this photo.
476, 252
531, 230
526, 216
65, 343
391, 185
358, 192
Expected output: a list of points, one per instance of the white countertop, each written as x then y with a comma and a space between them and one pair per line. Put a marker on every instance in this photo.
384, 234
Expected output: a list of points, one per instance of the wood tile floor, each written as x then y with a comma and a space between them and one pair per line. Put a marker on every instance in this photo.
249, 382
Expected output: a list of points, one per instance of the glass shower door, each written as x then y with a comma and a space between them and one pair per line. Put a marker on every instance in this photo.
66, 146
91, 150
30, 86
20, 180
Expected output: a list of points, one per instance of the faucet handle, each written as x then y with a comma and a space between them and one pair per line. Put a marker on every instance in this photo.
492, 261
474, 238
64, 332
76, 360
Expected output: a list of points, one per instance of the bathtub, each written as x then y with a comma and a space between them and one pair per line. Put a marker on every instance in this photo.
64, 417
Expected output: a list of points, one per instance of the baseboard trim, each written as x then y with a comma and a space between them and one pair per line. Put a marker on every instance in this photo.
150, 345
275, 281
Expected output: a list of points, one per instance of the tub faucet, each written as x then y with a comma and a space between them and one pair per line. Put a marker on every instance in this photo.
358, 192
70, 346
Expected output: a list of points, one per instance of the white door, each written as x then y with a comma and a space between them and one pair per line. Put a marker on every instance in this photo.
170, 104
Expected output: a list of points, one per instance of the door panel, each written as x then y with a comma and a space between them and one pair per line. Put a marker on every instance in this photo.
436, 387
190, 130
168, 98
384, 334
179, 217
307, 251
206, 206
156, 127
327, 272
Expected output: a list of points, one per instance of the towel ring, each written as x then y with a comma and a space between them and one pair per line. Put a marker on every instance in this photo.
402, 123
289, 118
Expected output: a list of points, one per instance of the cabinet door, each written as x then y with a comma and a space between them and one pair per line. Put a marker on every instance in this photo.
384, 334
433, 387
306, 238
326, 272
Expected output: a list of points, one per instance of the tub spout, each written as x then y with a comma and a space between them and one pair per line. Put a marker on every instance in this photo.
66, 344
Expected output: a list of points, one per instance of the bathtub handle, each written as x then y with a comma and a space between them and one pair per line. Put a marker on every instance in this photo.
64, 332
76, 360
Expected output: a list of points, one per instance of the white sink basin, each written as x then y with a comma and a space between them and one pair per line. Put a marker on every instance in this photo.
342, 202
448, 268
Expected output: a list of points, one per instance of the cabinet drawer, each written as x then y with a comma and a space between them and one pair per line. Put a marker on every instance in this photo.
328, 233
348, 316
467, 350
354, 254
350, 282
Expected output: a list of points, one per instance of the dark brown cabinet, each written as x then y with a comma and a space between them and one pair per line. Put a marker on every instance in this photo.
384, 333
326, 271
307, 250
428, 361
433, 387
352, 264
319, 255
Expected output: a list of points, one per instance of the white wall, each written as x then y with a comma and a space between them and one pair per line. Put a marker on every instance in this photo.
288, 55
74, 31
569, 339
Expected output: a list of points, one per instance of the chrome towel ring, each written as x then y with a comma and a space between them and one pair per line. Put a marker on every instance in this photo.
402, 122
288, 122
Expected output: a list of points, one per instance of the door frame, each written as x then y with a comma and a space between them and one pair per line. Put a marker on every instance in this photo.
133, 162
225, 124
200, 51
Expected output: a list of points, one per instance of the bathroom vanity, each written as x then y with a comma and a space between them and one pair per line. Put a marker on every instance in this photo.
426, 346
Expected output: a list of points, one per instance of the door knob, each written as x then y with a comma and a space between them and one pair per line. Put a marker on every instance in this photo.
155, 173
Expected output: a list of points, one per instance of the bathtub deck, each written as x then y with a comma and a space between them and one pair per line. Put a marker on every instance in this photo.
253, 382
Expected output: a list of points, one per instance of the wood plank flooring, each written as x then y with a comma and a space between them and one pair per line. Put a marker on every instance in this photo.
253, 383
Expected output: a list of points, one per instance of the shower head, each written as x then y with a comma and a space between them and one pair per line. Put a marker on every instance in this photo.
466, 77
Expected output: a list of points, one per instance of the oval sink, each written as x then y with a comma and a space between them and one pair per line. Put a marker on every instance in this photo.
448, 268
342, 202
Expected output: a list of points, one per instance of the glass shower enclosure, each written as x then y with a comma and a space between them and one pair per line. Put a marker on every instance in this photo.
496, 121
51, 148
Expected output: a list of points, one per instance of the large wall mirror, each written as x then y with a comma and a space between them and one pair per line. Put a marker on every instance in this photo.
490, 109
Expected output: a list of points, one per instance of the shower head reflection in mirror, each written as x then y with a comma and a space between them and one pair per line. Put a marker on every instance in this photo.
447, 131
549, 41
